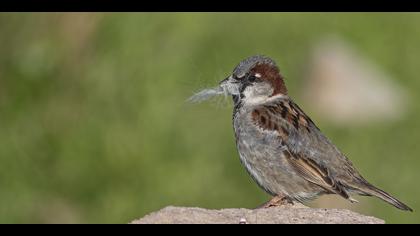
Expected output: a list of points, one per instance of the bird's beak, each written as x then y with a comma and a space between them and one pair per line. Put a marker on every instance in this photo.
229, 86
225, 81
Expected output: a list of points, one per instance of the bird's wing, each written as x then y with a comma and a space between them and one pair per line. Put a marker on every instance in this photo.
308, 151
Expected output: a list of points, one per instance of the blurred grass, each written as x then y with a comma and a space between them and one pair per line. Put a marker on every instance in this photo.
95, 129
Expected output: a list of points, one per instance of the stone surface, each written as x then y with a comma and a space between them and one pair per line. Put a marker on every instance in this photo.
296, 214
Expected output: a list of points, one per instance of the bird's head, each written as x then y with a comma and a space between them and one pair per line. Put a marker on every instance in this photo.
254, 80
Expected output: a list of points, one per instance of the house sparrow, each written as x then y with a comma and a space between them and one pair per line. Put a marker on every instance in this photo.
280, 146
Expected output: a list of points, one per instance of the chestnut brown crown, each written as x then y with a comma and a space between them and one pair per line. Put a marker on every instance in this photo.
261, 69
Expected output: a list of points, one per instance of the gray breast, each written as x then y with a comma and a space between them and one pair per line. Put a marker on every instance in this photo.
262, 154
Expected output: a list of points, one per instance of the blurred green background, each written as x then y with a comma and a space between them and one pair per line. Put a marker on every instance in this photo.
94, 127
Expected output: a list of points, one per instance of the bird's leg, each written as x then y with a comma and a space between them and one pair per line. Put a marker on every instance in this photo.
276, 201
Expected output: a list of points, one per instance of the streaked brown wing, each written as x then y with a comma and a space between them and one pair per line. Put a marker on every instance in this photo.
308, 151
316, 174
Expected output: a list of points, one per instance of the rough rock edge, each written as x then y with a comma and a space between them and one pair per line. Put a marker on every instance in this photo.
290, 214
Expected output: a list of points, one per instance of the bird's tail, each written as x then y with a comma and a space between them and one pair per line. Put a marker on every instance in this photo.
374, 191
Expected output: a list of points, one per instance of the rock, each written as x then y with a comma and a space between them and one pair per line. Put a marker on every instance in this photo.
290, 214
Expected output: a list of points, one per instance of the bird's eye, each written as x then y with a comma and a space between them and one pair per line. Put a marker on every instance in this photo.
254, 77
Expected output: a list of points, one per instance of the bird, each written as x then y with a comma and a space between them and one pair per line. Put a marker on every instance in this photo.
281, 148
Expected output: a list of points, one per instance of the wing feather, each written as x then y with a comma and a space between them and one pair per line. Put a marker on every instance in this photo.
308, 151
